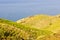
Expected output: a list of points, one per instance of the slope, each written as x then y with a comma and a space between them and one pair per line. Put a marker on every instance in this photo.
44, 22
10, 30
37, 21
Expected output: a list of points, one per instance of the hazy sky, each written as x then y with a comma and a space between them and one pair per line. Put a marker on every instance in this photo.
16, 9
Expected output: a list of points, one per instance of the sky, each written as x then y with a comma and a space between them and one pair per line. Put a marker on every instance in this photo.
17, 9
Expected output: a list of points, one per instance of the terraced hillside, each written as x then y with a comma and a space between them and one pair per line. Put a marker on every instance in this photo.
12, 31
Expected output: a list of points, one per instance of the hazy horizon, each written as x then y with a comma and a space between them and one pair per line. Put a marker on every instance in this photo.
17, 9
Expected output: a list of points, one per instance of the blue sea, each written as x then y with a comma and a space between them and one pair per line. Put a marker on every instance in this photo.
17, 9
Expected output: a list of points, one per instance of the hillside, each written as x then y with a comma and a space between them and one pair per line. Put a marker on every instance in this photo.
44, 22
38, 27
37, 21
47, 22
10, 30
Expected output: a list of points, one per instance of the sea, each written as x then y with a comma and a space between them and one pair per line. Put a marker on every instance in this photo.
15, 10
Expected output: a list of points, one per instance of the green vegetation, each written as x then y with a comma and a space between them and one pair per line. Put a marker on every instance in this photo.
10, 30
37, 21
44, 22
39, 27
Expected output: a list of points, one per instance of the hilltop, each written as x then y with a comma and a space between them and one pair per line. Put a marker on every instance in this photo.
41, 21
44, 22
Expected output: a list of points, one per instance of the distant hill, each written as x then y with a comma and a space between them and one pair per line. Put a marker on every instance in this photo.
44, 22
41, 21
37, 21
